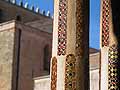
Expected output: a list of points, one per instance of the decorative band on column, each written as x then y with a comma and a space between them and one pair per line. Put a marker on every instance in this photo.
114, 68
70, 72
62, 26
82, 38
54, 74
79, 27
105, 22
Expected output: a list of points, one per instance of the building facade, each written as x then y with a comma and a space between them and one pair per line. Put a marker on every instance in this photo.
25, 46
26, 49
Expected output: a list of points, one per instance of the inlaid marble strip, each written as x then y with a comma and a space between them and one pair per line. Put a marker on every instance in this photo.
105, 22
114, 68
79, 28
62, 26
70, 70
81, 52
54, 74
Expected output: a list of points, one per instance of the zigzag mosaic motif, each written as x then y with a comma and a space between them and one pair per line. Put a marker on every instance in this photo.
105, 22
114, 68
70, 76
54, 74
62, 26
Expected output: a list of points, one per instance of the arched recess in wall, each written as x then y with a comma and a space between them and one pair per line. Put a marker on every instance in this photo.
18, 18
1, 14
46, 58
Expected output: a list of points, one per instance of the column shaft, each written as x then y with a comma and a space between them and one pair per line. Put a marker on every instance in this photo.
70, 45
110, 76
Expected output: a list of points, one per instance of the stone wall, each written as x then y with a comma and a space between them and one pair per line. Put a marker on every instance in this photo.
11, 11
94, 59
31, 65
94, 79
6, 55
42, 83
22, 50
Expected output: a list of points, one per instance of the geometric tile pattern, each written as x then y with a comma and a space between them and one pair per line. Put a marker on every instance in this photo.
105, 22
114, 68
79, 29
82, 38
70, 70
54, 74
62, 26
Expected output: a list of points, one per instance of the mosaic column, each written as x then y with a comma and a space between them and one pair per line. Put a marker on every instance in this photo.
70, 51
110, 46
104, 43
114, 47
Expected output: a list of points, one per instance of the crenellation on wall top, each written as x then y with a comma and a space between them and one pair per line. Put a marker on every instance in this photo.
32, 8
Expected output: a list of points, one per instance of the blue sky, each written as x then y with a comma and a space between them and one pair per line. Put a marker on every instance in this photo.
47, 5
94, 23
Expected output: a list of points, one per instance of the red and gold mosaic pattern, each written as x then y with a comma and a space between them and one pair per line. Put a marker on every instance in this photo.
62, 26
70, 76
113, 69
54, 74
105, 22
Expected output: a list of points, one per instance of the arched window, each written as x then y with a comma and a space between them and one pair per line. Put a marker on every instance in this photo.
46, 58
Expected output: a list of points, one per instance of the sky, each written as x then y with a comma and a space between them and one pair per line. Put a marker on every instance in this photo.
94, 37
94, 25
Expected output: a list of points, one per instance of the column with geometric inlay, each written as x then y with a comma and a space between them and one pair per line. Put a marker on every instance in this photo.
110, 45
70, 51
114, 47
104, 43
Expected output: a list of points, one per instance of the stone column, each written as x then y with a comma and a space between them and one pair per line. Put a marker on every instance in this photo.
104, 43
110, 45
114, 47
70, 51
